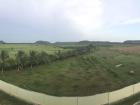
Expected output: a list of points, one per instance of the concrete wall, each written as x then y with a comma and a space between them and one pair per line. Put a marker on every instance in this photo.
43, 99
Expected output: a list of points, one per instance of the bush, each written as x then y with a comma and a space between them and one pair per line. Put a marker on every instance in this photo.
35, 58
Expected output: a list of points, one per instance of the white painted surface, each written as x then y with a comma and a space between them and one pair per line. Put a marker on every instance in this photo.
43, 99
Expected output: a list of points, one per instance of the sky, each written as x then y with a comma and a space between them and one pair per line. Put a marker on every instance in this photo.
69, 20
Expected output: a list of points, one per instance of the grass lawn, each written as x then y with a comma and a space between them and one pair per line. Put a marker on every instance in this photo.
80, 76
13, 48
129, 101
9, 100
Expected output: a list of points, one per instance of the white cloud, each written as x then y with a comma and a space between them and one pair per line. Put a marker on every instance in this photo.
83, 15
131, 21
117, 12
86, 16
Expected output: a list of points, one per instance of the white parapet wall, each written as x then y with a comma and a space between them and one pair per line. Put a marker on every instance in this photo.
43, 99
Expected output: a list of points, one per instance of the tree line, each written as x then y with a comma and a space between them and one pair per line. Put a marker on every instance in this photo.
34, 58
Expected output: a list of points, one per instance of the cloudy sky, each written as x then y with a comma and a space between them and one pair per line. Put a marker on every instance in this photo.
69, 20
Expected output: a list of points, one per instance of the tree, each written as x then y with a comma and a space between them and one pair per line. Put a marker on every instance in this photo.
59, 55
33, 58
89, 47
43, 58
4, 56
21, 58
10, 63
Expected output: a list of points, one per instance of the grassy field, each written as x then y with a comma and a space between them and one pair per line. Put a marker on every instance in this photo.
82, 75
13, 48
129, 101
131, 49
9, 100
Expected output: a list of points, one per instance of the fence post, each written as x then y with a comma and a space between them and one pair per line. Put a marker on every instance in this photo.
77, 100
108, 98
133, 90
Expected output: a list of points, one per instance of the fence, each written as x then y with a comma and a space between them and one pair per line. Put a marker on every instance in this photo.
42, 99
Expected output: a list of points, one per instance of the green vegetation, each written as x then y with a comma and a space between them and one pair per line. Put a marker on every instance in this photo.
4, 57
129, 101
34, 58
9, 100
14, 48
82, 71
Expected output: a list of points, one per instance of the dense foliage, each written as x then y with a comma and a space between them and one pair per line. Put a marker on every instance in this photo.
35, 58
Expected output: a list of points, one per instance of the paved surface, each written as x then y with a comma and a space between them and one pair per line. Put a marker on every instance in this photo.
44, 99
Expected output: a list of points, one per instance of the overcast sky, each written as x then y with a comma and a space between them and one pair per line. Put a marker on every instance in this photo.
69, 20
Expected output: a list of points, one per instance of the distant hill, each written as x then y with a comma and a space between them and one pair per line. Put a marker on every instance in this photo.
42, 42
64, 43
86, 42
132, 42
2, 42
73, 43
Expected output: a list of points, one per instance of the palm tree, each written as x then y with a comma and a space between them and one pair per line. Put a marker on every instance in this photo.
59, 54
44, 57
21, 59
33, 58
3, 57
